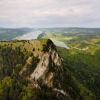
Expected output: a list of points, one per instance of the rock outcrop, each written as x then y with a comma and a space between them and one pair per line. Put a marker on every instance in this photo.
49, 71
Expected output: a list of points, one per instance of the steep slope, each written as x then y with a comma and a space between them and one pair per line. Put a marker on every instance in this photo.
85, 67
33, 70
48, 72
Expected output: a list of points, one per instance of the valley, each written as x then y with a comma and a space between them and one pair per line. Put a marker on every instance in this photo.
50, 64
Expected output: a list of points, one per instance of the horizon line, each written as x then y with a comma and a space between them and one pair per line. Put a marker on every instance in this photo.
48, 27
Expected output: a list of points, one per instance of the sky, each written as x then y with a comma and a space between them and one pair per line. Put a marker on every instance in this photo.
49, 13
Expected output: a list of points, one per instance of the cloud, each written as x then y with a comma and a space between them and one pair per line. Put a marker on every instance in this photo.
30, 13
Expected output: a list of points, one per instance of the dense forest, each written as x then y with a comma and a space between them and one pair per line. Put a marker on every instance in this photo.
15, 54
85, 67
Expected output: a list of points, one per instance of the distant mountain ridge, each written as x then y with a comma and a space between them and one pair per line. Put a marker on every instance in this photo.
12, 33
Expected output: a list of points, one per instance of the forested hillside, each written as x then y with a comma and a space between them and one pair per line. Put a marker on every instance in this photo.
34, 70
85, 67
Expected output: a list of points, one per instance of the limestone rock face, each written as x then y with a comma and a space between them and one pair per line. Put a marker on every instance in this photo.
49, 70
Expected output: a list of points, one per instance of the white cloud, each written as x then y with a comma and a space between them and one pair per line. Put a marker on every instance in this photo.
21, 13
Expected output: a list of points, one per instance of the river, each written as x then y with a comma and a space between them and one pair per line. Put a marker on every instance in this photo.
29, 36
35, 34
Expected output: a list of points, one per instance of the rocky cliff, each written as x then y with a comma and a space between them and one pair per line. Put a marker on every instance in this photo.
48, 71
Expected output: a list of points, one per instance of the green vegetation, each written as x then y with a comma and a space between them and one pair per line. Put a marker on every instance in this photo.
85, 68
82, 60
81, 64
13, 57
10, 34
